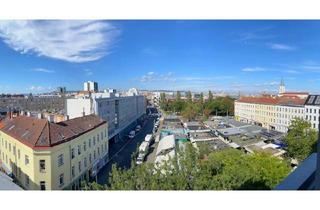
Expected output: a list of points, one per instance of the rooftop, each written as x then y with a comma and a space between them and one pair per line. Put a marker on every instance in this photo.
37, 133
313, 100
284, 100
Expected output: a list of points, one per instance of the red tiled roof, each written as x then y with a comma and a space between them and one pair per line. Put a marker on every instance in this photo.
39, 133
295, 93
275, 101
258, 100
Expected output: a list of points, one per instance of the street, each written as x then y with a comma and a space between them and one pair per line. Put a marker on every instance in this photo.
120, 153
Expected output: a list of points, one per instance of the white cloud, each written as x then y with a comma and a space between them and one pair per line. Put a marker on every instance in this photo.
36, 88
253, 69
72, 41
43, 70
292, 71
277, 46
153, 76
88, 72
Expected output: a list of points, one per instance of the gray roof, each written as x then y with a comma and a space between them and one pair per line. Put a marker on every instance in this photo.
229, 131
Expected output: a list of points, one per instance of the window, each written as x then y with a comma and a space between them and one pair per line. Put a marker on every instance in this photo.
42, 165
9, 147
60, 160
105, 132
26, 159
84, 146
72, 171
27, 180
98, 138
314, 118
94, 154
18, 153
89, 143
61, 180
79, 150
94, 141
98, 151
42, 185
101, 135
79, 166
14, 150
85, 162
72, 153
90, 158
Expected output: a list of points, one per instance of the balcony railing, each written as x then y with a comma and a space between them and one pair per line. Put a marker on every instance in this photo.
303, 177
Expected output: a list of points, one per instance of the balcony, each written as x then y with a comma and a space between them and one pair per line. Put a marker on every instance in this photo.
303, 177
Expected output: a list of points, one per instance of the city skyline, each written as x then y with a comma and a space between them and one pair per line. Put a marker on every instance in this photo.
231, 56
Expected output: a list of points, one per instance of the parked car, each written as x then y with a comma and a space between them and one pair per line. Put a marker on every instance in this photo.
148, 138
132, 134
138, 128
140, 159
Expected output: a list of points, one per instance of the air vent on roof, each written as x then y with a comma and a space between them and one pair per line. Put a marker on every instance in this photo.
310, 101
61, 136
25, 134
317, 102
11, 127
42, 140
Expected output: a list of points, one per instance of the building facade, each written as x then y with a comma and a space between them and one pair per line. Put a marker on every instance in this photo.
90, 86
274, 113
118, 111
53, 156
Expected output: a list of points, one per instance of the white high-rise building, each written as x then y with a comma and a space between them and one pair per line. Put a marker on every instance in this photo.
90, 86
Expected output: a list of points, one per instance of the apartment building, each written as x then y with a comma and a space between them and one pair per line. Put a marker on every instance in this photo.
274, 113
312, 110
118, 110
53, 156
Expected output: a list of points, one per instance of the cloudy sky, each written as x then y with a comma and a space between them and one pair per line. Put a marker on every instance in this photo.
246, 56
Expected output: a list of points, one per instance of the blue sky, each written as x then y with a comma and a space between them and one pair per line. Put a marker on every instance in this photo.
232, 56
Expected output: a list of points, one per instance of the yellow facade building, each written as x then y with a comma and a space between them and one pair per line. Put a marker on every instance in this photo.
53, 156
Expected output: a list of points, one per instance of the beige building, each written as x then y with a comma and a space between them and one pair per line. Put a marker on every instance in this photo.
53, 156
274, 113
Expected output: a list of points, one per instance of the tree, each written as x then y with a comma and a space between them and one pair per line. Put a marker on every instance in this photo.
210, 97
189, 96
228, 169
201, 98
178, 96
190, 112
163, 101
301, 139
91, 186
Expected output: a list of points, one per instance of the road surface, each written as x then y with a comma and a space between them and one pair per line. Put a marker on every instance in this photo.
122, 155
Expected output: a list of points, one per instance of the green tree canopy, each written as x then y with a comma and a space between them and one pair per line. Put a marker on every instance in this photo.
229, 169
301, 139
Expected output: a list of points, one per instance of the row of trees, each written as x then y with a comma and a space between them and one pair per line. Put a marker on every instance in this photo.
223, 170
191, 109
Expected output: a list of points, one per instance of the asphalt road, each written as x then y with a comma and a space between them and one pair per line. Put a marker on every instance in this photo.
122, 155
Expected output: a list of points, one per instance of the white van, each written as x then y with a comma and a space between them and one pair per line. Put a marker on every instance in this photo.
148, 138
132, 134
